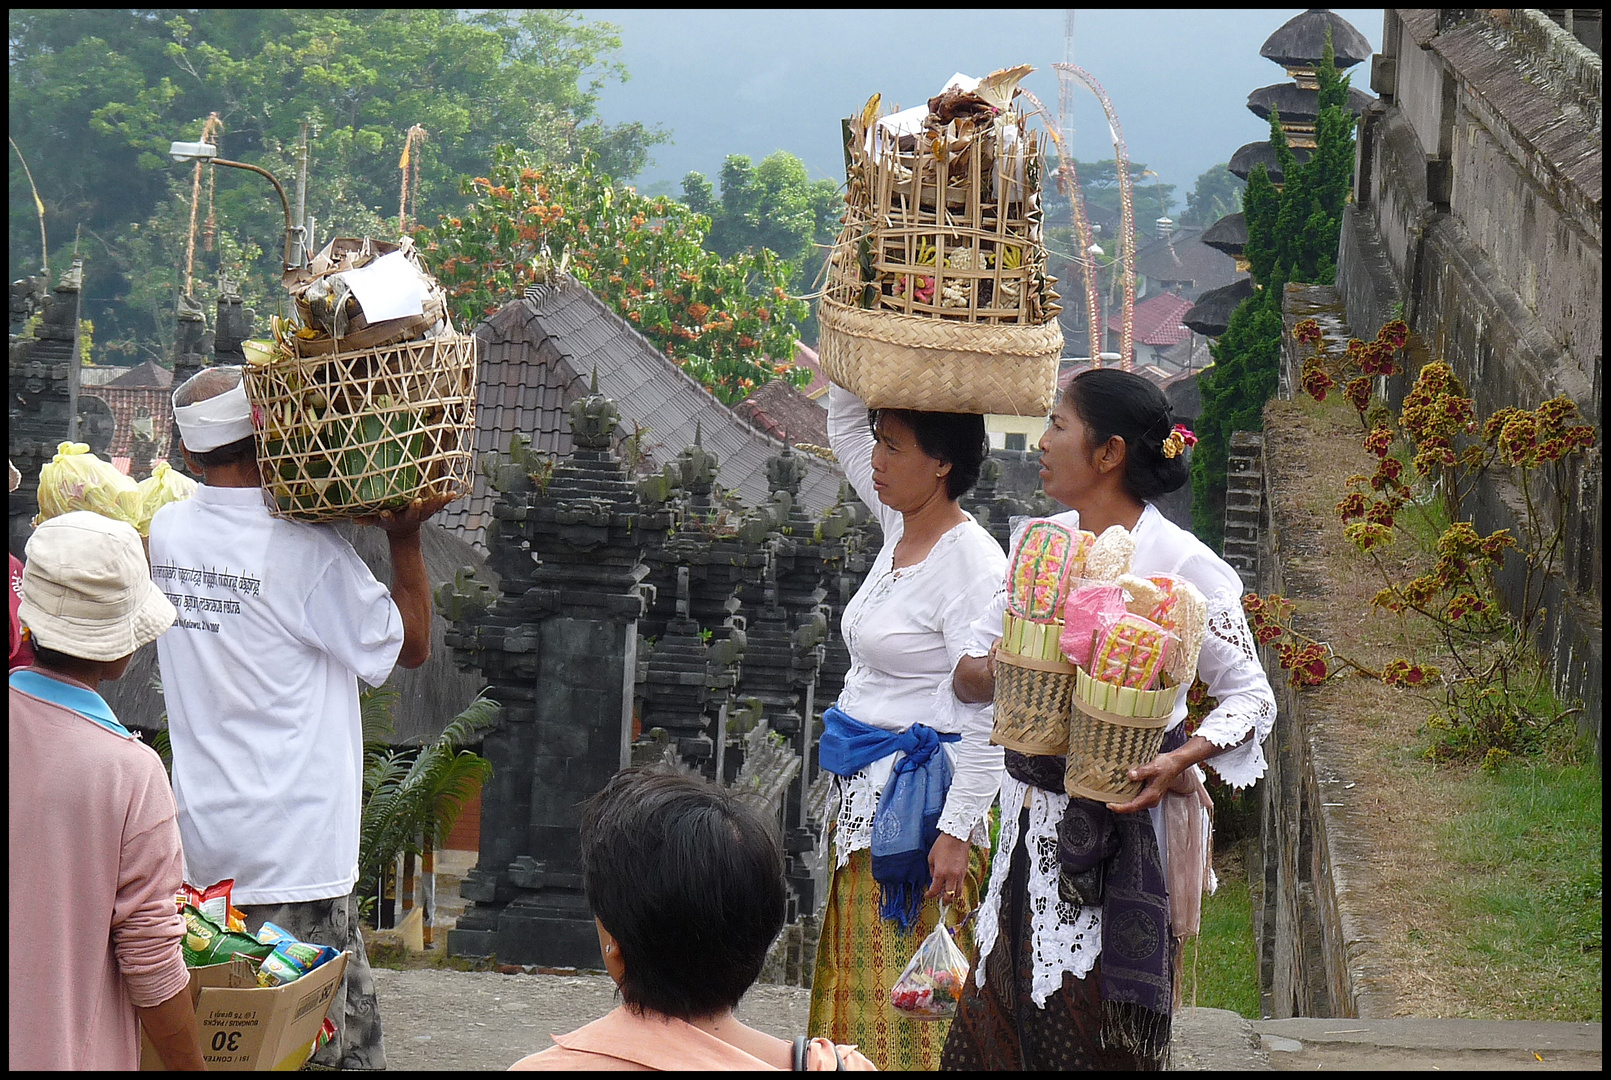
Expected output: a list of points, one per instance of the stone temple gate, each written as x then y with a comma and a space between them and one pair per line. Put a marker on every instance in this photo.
650, 619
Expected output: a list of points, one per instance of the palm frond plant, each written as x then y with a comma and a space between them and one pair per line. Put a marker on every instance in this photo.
412, 797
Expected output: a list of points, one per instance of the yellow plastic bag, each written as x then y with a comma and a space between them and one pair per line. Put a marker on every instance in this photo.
159, 489
76, 479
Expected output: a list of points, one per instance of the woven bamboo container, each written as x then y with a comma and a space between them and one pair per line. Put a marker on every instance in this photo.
937, 296
1107, 740
352, 433
1032, 703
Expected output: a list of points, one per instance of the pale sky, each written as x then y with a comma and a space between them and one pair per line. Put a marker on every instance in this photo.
751, 81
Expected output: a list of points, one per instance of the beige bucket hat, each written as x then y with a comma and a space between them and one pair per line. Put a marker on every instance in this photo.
87, 591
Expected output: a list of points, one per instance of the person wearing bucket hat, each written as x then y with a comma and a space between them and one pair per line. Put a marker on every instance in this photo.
95, 855
278, 621
1105, 960
22, 652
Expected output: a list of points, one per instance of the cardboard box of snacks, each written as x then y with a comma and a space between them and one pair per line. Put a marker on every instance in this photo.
245, 1027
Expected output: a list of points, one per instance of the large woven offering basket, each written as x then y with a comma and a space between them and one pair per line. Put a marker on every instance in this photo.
937, 296
1112, 730
352, 433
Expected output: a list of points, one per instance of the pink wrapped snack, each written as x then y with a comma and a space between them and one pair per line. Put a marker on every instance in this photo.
1130, 650
1087, 604
1047, 558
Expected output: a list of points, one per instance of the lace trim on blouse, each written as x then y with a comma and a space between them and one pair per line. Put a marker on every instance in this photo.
1066, 937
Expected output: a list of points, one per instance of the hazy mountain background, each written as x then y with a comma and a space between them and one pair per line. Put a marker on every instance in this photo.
744, 81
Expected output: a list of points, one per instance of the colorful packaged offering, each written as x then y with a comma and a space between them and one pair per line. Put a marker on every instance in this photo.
206, 944
1129, 650
1111, 554
931, 985
1086, 604
290, 960
1047, 558
1180, 608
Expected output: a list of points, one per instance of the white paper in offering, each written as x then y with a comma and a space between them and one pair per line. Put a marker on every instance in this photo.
388, 288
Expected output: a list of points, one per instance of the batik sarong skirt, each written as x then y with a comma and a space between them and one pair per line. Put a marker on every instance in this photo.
859, 957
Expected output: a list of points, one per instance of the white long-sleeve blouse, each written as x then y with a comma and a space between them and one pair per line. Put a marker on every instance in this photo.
906, 629
1068, 937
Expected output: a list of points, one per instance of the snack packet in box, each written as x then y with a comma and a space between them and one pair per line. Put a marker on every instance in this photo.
1130, 650
930, 986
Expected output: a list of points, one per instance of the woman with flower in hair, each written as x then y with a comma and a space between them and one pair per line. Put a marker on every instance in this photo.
1076, 960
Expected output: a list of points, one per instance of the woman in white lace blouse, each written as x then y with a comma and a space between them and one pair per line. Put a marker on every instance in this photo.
914, 771
1040, 997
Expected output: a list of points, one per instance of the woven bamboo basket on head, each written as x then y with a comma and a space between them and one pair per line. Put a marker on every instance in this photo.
937, 296
1112, 730
353, 433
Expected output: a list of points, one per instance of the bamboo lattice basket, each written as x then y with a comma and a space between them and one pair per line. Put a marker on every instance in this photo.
1032, 702
352, 433
1112, 730
937, 296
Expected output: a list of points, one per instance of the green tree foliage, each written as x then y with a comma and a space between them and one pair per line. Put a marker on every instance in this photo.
1099, 184
720, 320
97, 96
1292, 235
1218, 192
412, 797
773, 205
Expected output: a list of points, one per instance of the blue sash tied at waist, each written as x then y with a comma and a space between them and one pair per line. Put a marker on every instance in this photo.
907, 821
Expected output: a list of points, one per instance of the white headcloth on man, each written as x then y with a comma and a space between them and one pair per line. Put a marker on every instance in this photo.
215, 421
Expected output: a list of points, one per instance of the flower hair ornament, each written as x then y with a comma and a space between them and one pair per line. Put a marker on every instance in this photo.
1177, 441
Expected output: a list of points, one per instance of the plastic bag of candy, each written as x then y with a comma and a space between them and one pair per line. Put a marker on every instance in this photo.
931, 984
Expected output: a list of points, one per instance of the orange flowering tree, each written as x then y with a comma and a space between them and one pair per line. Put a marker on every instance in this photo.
1496, 699
729, 323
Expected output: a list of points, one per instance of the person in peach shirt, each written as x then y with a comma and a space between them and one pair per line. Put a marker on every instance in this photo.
686, 886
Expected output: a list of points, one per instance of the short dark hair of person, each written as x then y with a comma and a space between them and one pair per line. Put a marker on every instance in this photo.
957, 439
1115, 402
51, 658
689, 882
236, 453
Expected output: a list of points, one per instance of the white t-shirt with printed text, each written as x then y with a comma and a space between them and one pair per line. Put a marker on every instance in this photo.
277, 622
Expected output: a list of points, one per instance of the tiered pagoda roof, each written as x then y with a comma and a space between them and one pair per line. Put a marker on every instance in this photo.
1301, 41
1212, 312
1298, 104
1228, 234
1255, 153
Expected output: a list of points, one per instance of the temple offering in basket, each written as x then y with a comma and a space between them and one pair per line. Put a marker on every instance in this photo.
1034, 682
346, 430
937, 295
1135, 640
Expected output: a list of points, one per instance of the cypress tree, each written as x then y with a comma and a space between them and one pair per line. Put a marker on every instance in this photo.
1292, 234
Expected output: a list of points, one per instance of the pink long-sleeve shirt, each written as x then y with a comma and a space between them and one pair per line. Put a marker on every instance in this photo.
95, 863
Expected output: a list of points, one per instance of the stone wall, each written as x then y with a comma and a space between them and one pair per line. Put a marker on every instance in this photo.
1477, 216
1317, 952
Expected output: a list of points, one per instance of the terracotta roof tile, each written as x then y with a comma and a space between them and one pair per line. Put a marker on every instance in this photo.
1157, 319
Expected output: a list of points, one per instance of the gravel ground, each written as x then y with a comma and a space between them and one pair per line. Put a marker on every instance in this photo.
437, 1019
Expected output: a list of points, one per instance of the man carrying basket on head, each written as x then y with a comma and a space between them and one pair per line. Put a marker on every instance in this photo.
278, 620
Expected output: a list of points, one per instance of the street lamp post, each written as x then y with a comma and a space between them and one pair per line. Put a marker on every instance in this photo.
181, 151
